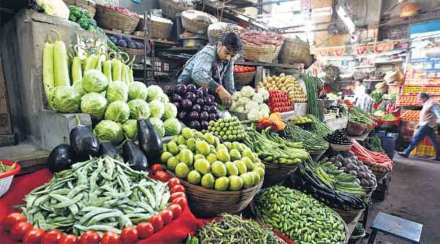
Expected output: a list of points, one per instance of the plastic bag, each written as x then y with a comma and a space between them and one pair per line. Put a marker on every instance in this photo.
54, 8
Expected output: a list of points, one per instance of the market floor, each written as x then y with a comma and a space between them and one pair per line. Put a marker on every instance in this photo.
414, 194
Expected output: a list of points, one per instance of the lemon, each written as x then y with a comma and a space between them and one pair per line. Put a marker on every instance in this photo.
218, 169
182, 170
165, 156
202, 165
208, 181
172, 163
221, 184
235, 183
241, 166
194, 177
231, 168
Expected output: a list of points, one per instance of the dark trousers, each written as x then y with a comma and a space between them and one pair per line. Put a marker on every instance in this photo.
421, 133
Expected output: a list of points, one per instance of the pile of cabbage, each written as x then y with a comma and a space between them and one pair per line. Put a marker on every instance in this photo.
250, 102
117, 106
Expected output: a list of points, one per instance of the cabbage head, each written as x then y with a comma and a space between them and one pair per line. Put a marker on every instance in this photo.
139, 109
117, 91
170, 111
65, 99
172, 127
154, 92
108, 130
130, 129
94, 104
94, 81
137, 90
158, 126
156, 109
117, 111
78, 87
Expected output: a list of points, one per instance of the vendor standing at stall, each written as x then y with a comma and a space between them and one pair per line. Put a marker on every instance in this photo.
213, 67
426, 127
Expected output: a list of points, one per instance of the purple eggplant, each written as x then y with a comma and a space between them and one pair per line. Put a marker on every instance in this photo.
191, 96
194, 115
182, 115
177, 104
195, 124
191, 88
197, 108
186, 104
206, 108
181, 89
204, 115
199, 93
204, 125
177, 98
204, 90
212, 116
212, 109
200, 101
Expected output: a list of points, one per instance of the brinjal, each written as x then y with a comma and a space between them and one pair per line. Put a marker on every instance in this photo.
177, 104
149, 140
204, 115
213, 116
199, 93
84, 142
196, 108
181, 89
204, 125
191, 88
182, 115
204, 90
107, 149
177, 98
200, 101
195, 125
194, 115
134, 156
186, 104
191, 96
61, 158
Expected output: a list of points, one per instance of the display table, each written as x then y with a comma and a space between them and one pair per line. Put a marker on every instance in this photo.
175, 232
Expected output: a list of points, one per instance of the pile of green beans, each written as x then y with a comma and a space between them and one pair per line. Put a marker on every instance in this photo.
299, 216
318, 127
312, 95
310, 140
357, 115
101, 194
234, 229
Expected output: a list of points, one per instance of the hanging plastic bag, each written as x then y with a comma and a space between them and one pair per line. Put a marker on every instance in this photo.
54, 8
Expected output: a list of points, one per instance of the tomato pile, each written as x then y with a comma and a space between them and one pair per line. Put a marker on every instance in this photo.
279, 101
243, 69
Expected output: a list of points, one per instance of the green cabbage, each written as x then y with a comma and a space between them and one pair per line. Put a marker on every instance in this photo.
94, 104
170, 111
94, 81
117, 91
130, 129
137, 90
65, 99
158, 126
78, 87
154, 92
117, 111
108, 130
139, 109
156, 109
172, 127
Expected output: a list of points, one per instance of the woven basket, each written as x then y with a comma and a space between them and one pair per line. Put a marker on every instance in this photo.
262, 53
110, 19
340, 148
355, 129
171, 8
159, 29
277, 173
85, 4
199, 24
133, 51
244, 78
210, 203
217, 30
294, 51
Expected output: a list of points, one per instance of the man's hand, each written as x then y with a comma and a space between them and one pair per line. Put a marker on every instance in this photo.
224, 95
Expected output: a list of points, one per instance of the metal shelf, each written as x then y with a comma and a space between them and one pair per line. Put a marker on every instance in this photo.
287, 66
140, 38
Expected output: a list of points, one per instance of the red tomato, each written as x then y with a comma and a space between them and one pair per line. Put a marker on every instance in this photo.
110, 238
69, 239
173, 181
167, 216
12, 219
181, 201
176, 195
129, 235
162, 175
176, 209
89, 237
177, 188
157, 222
156, 167
145, 230
33, 236
20, 229
52, 237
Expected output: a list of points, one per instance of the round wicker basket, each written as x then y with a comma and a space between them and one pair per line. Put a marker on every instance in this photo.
170, 8
196, 21
262, 53
209, 203
340, 148
110, 19
277, 173
355, 129
244, 78
159, 29
295, 50
85, 4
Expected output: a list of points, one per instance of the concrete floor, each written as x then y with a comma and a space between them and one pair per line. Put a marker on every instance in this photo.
414, 194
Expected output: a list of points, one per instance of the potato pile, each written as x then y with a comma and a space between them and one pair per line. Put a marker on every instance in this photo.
288, 84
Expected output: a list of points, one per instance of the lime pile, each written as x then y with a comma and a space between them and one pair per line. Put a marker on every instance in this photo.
202, 160
227, 129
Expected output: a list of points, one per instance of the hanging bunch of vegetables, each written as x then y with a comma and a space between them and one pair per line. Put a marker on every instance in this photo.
82, 17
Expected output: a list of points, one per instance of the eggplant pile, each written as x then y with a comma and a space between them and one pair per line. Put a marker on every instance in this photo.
305, 180
351, 165
196, 107
339, 137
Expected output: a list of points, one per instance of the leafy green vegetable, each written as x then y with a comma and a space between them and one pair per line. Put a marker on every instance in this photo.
94, 81
65, 99
172, 127
130, 128
154, 92
117, 91
94, 104
139, 109
108, 130
158, 126
137, 90
170, 111
117, 111
156, 109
